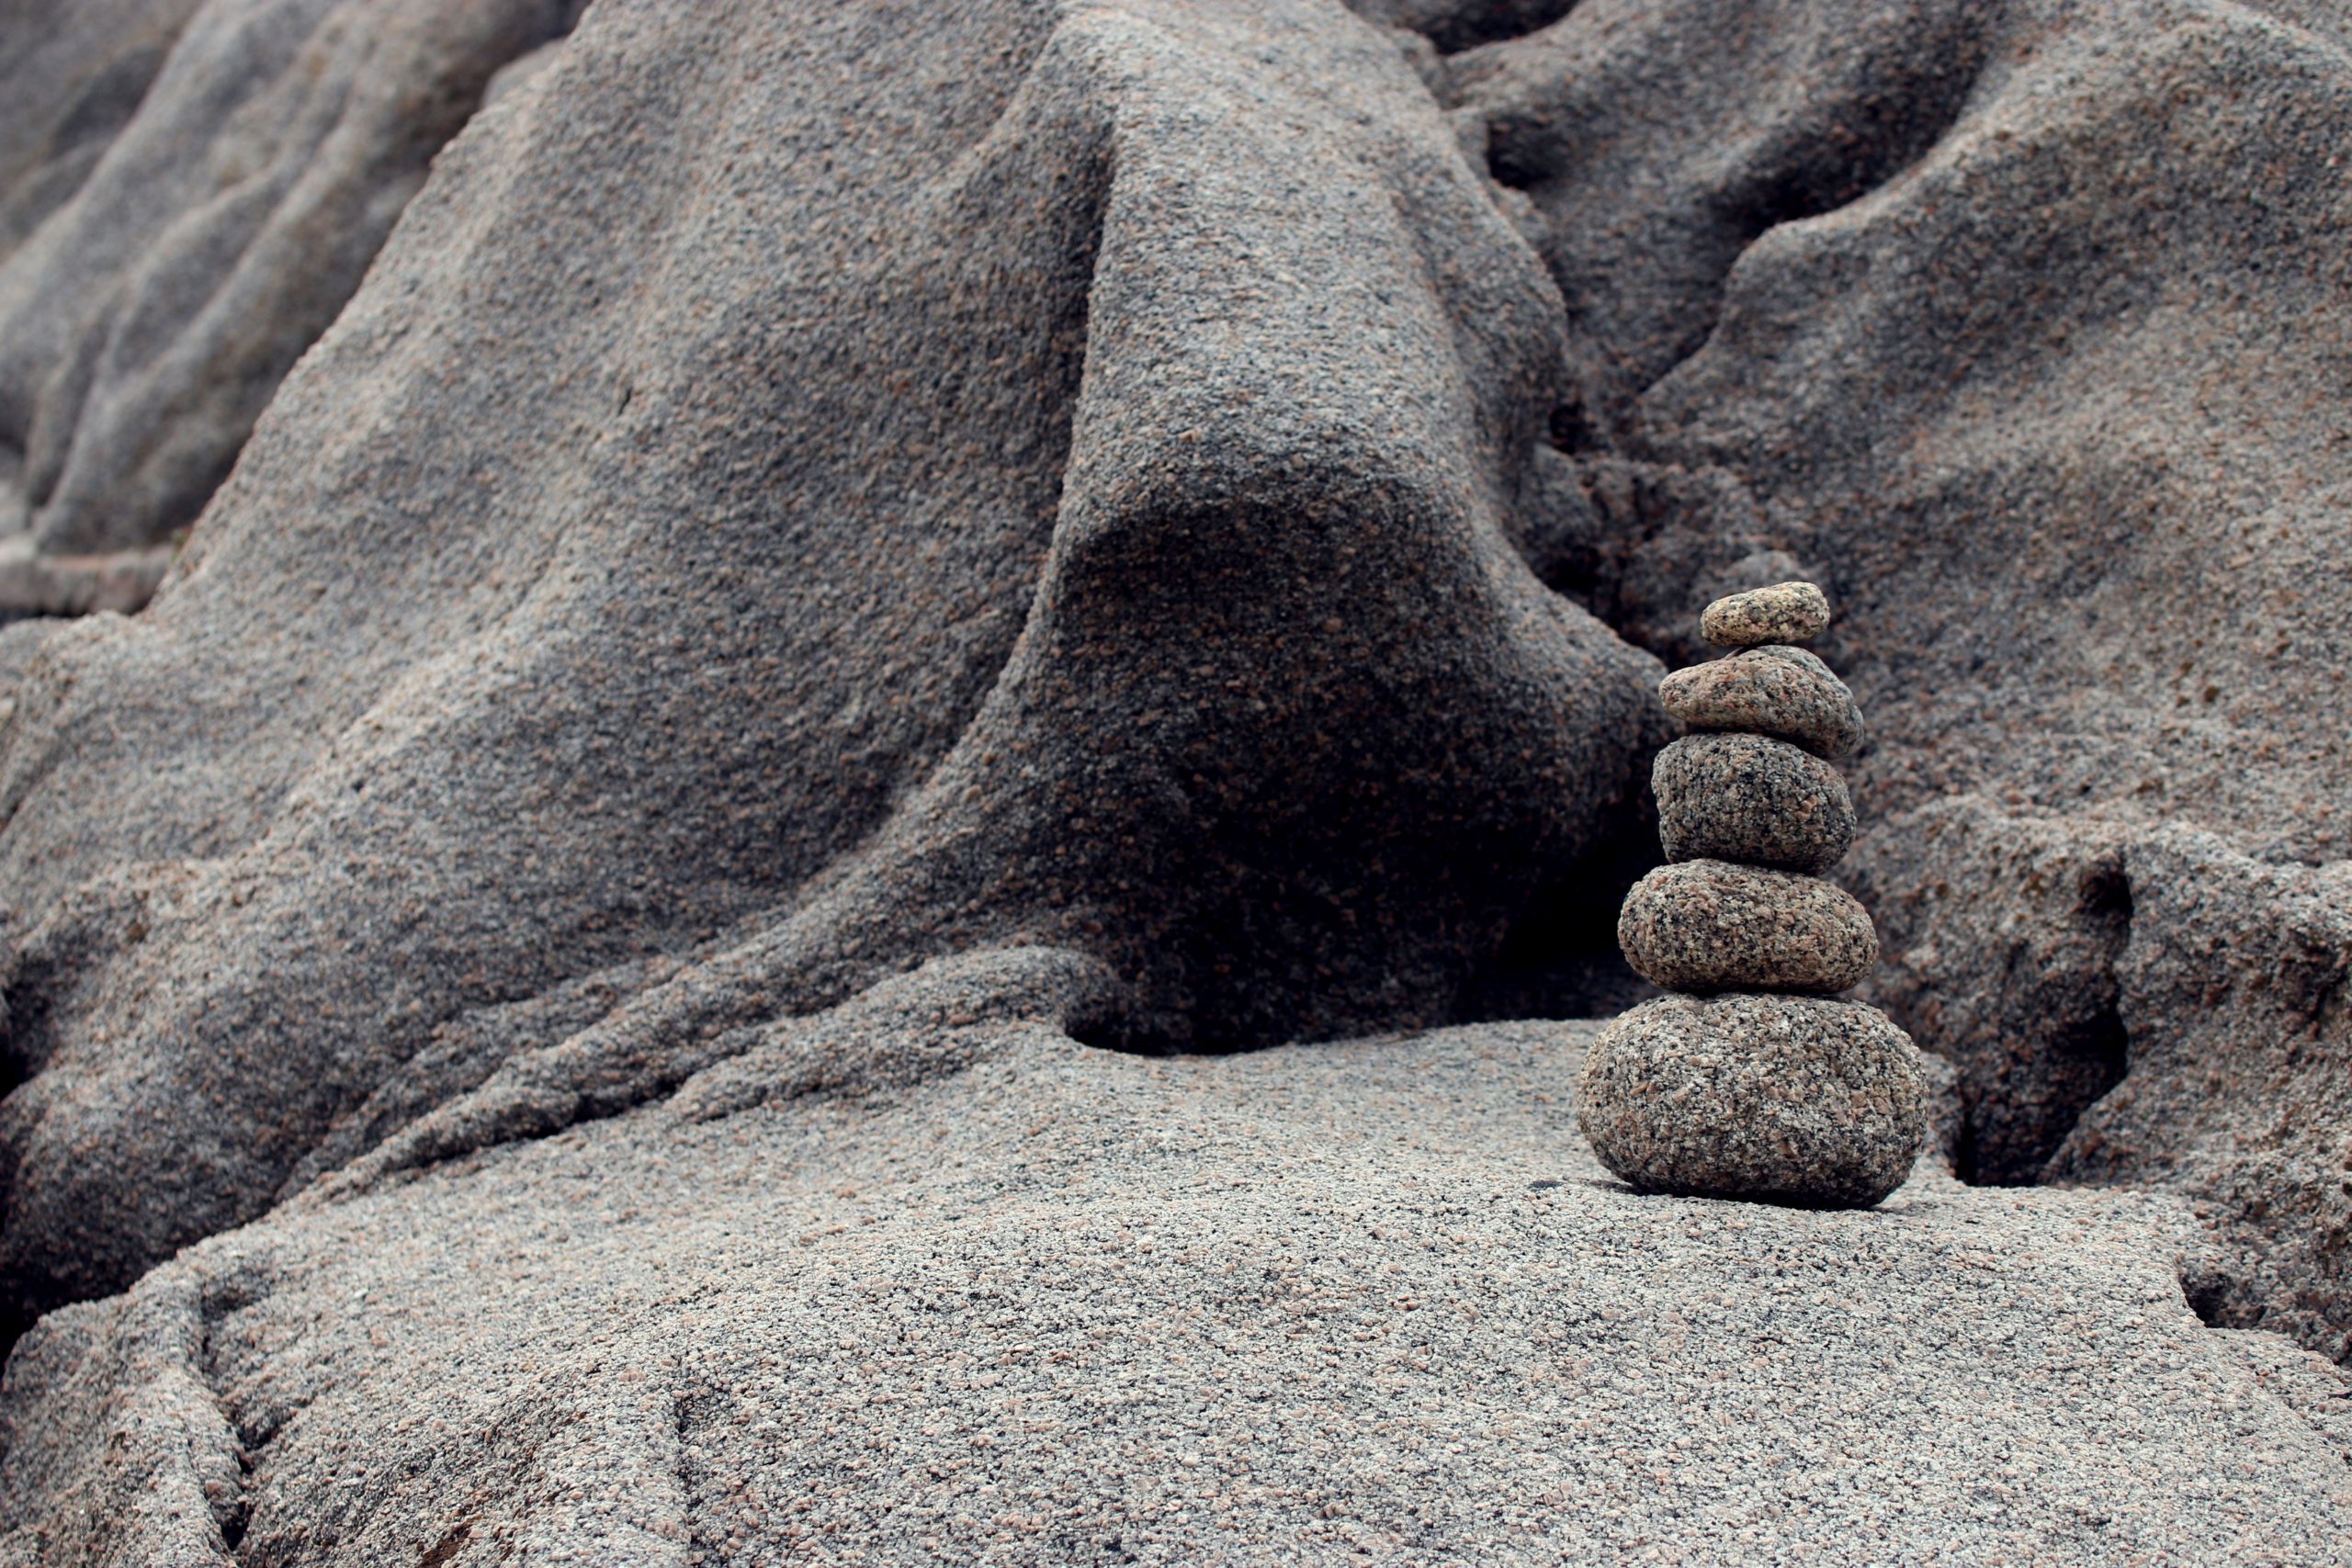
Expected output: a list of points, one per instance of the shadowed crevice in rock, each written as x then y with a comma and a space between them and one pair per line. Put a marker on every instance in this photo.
1961, 398
2234, 988
1560, 957
2002, 938
2129, 1004
1644, 546
1453, 26
147, 1381
1642, 203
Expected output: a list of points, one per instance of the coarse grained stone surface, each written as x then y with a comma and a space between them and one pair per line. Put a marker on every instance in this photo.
1876, 294
1969, 310
1783, 1100
775, 513
1710, 925
2231, 988
2020, 993
1783, 613
73, 72
1375, 1300
457, 800
1752, 799
1786, 693
188, 196
2141, 1005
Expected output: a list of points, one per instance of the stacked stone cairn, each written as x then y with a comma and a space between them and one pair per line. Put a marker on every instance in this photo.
1751, 1079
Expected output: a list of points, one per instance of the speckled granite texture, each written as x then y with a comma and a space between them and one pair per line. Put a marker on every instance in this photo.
1782, 692
806, 490
1752, 799
189, 190
1708, 925
1778, 613
594, 658
1372, 1300
1804, 1101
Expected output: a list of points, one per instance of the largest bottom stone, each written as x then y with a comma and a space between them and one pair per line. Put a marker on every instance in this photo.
1786, 1099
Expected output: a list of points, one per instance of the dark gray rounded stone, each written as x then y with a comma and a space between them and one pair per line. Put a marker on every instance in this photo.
1783, 691
1786, 612
1708, 925
1751, 799
1800, 1101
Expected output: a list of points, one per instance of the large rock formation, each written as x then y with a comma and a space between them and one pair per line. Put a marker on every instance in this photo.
678, 592
2018, 324
189, 190
806, 490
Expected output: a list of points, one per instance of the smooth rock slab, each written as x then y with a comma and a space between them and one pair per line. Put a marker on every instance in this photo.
1708, 925
1777, 691
1787, 1100
1786, 612
1752, 799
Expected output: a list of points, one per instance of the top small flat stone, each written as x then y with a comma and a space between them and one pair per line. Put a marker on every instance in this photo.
1784, 612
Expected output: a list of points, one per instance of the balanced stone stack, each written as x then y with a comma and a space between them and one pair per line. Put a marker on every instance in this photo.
1753, 1081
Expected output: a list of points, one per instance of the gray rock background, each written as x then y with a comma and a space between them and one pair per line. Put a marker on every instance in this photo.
804, 491
188, 193
2013, 324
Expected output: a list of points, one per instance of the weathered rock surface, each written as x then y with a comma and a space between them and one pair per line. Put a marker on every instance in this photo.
73, 73
1373, 1299
1708, 925
1784, 1100
2231, 991
2129, 1004
1781, 613
696, 578
1751, 799
1971, 313
807, 490
2000, 939
1781, 692
188, 194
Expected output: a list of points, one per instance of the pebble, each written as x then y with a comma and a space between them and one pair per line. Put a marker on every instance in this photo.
1752, 799
1799, 1101
1786, 612
1782, 692
1708, 925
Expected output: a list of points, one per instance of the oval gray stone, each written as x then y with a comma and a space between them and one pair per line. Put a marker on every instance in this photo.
1786, 612
1783, 691
1800, 1100
1751, 799
1708, 925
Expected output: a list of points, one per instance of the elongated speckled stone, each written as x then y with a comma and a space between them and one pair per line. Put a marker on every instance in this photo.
1786, 612
1751, 799
1782, 692
1708, 925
